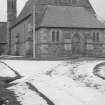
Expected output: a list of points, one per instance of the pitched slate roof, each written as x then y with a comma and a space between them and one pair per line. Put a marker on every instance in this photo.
68, 16
40, 7
58, 16
3, 32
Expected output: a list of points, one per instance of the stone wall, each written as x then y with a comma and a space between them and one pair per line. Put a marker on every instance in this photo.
24, 41
69, 42
72, 42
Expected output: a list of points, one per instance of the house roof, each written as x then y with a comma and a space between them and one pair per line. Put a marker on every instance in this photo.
68, 16
3, 32
58, 16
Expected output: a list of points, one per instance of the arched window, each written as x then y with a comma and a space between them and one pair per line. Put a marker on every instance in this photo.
17, 38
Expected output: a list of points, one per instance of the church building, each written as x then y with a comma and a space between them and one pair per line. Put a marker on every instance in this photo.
55, 29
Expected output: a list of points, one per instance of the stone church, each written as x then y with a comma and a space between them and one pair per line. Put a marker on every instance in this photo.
63, 28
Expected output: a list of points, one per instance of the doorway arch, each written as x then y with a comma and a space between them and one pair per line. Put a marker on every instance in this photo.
76, 44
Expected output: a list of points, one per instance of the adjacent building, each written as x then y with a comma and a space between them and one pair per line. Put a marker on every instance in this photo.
63, 28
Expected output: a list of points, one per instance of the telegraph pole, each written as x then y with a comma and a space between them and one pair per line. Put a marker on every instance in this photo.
34, 55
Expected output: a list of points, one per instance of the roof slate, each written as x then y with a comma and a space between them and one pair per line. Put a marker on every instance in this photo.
68, 16
58, 16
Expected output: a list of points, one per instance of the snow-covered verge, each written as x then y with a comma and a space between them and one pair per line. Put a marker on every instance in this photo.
27, 96
5, 71
27, 68
62, 82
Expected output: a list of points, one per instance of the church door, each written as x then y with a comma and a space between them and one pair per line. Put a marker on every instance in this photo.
76, 44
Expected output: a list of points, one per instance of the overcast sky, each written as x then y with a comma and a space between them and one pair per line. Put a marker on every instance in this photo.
98, 5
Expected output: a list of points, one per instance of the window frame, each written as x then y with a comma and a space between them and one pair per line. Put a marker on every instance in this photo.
96, 36
55, 35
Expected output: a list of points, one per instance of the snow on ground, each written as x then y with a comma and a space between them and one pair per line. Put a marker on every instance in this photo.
66, 91
28, 97
27, 68
63, 82
6, 71
82, 72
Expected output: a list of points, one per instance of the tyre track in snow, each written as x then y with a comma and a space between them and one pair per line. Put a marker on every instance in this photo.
33, 88
18, 75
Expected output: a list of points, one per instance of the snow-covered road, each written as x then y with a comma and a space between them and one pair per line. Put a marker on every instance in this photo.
63, 82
